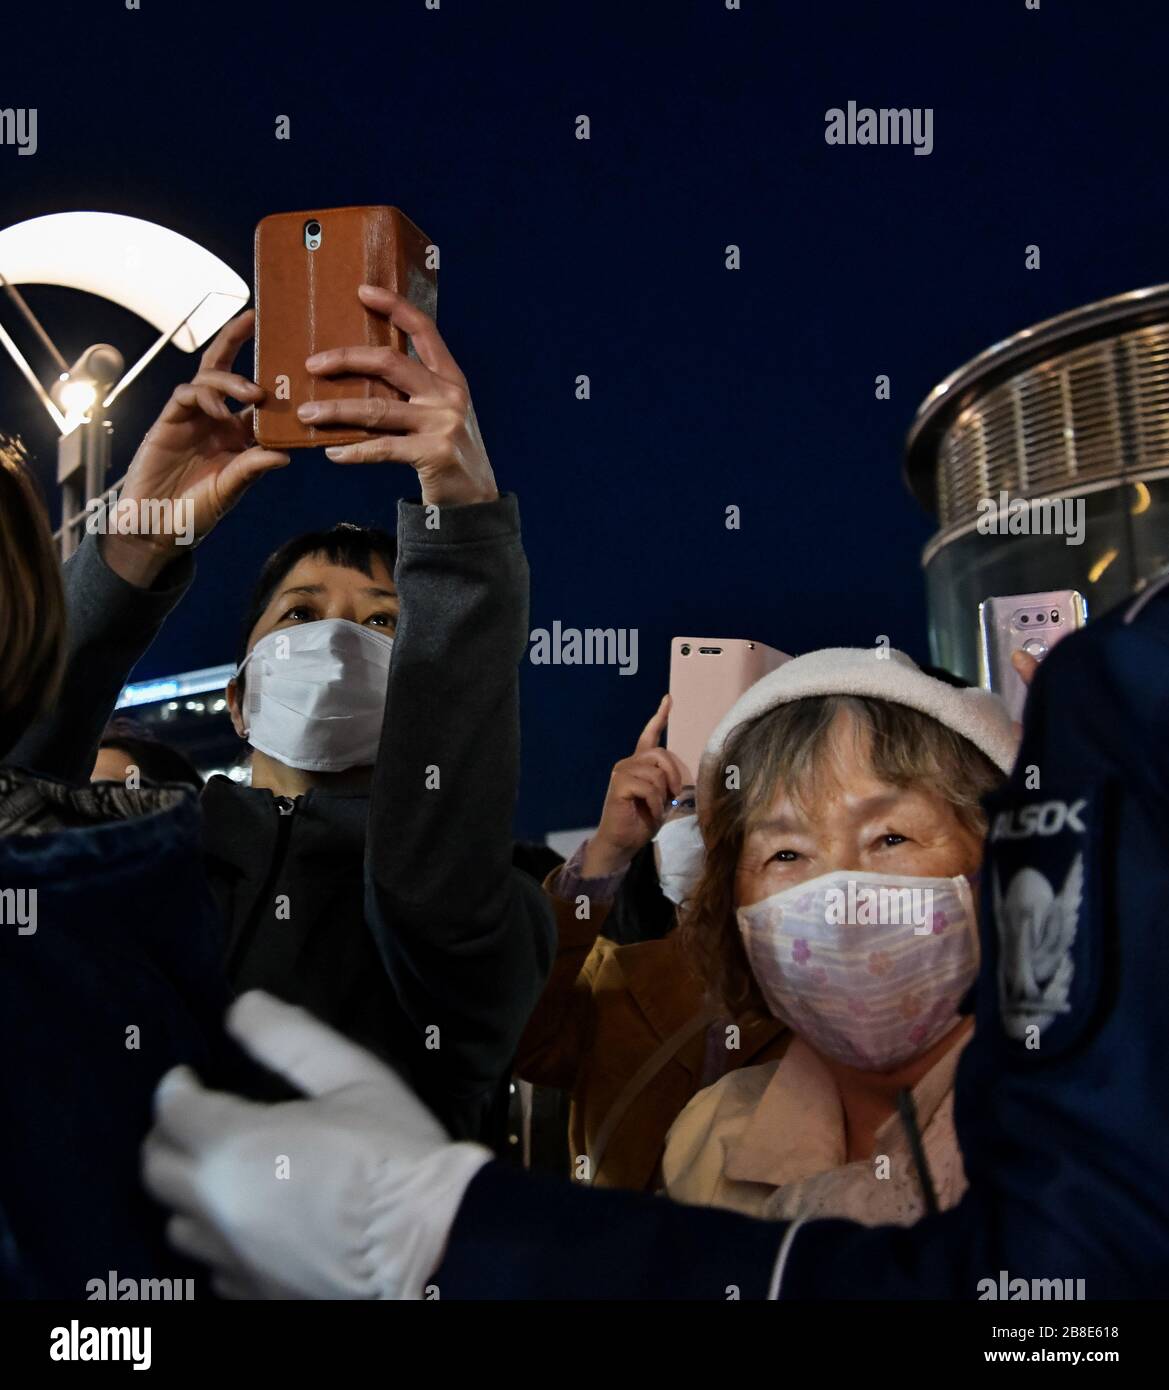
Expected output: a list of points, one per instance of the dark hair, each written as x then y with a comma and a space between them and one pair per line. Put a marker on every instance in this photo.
344, 544
157, 761
32, 600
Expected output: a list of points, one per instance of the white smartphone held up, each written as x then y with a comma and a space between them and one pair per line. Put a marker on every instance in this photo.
1031, 623
707, 676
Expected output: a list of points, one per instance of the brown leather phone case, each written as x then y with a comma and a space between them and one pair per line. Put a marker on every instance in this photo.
306, 301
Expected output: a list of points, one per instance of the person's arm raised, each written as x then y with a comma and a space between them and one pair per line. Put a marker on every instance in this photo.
638, 799
466, 939
194, 464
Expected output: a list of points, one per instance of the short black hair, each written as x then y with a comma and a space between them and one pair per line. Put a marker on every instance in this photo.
157, 761
343, 544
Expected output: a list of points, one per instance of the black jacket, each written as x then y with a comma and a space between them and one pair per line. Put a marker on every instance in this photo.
397, 918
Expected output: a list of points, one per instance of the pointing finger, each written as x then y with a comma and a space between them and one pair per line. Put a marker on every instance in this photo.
652, 733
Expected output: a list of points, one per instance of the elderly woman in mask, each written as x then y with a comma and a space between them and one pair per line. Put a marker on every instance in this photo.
839, 802
638, 1033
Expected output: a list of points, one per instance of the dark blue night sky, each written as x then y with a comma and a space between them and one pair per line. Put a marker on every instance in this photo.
562, 257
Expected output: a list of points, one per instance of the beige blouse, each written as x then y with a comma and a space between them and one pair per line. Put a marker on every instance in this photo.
770, 1141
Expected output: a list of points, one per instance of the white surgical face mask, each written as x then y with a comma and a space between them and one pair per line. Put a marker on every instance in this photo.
867, 968
679, 854
316, 694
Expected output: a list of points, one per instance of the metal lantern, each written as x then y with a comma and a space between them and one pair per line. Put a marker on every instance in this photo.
1066, 420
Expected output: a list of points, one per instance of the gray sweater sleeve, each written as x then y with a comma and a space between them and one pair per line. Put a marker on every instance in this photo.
111, 623
467, 939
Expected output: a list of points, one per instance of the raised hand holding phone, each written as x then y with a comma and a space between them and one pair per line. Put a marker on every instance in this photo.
1016, 626
641, 788
433, 430
199, 456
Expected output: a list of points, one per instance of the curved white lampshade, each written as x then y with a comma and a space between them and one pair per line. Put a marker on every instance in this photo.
165, 278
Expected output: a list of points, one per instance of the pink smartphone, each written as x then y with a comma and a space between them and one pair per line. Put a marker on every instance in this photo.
707, 676
1022, 622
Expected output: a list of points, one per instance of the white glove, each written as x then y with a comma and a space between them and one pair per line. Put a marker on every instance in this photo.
350, 1194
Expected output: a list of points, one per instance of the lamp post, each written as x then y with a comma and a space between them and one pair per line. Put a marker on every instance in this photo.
83, 451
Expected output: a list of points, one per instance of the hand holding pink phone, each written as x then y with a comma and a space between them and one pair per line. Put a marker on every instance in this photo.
641, 788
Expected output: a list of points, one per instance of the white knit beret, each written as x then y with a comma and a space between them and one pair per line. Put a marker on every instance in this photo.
978, 715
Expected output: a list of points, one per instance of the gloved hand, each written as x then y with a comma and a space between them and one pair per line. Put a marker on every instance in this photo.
348, 1194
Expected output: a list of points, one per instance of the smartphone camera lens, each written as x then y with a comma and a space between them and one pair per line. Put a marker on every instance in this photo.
1025, 618
313, 229
686, 649
312, 234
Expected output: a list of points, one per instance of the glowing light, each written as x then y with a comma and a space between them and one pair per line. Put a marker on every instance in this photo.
1101, 565
186, 683
1143, 500
77, 400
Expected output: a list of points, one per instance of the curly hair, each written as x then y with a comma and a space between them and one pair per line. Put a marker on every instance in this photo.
789, 747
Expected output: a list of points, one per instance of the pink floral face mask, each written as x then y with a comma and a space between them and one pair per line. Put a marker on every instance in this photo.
867, 969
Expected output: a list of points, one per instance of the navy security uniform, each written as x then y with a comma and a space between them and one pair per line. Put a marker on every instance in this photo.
1062, 1097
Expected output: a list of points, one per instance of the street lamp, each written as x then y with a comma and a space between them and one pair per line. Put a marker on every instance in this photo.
173, 283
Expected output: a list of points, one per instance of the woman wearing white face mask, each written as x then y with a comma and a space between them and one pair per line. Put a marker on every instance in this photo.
839, 801
309, 690
366, 871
